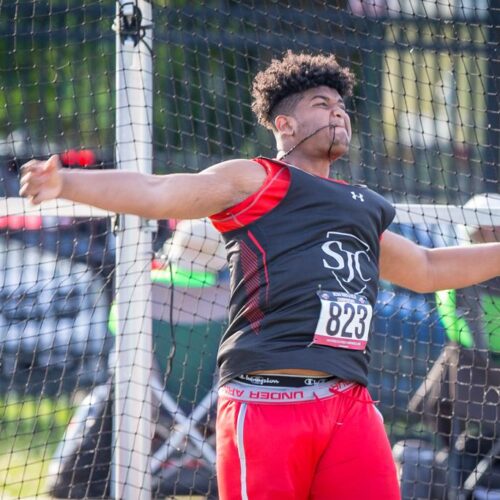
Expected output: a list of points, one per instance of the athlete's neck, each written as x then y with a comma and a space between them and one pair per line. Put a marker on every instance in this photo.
310, 165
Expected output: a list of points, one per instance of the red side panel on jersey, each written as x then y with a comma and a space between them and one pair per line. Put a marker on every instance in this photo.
252, 281
258, 204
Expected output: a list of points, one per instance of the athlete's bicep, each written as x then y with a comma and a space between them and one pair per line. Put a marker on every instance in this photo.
190, 196
403, 262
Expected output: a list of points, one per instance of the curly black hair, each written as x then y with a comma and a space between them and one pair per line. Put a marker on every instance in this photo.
292, 74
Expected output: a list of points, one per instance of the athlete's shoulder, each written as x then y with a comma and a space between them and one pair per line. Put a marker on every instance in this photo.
262, 196
374, 193
235, 166
245, 176
252, 173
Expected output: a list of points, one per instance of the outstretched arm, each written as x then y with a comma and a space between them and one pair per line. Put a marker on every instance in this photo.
427, 270
183, 196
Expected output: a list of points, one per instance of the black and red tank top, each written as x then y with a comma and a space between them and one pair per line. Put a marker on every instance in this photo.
303, 255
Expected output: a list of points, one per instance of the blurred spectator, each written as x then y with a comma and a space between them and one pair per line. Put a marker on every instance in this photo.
460, 399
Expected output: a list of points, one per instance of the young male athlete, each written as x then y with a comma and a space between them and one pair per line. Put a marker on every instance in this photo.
295, 420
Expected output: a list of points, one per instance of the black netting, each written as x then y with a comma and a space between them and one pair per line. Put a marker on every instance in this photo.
426, 122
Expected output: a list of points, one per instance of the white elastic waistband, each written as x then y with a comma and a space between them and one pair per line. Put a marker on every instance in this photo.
243, 392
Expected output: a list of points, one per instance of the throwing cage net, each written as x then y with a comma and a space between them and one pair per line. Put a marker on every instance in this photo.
426, 125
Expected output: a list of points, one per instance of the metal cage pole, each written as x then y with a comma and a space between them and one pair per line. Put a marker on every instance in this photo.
132, 429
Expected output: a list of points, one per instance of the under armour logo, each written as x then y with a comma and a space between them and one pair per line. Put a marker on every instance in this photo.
357, 196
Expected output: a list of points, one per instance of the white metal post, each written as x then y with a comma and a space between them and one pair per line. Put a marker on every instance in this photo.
132, 395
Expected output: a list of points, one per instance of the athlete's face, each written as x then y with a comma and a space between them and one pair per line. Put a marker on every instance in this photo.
322, 107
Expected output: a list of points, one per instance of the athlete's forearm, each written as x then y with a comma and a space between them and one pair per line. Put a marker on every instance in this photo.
459, 267
153, 196
427, 270
116, 191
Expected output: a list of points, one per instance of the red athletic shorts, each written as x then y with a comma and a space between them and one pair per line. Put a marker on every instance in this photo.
315, 442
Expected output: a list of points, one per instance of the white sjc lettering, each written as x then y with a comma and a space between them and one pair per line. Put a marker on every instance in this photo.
351, 261
345, 261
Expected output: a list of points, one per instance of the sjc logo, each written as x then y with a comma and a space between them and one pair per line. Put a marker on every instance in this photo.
345, 260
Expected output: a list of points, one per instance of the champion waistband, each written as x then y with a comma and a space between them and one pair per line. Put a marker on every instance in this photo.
249, 393
273, 380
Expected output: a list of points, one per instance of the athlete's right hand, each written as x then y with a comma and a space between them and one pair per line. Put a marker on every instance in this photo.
41, 180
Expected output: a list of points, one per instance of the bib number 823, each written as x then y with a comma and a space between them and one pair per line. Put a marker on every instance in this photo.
344, 321
347, 319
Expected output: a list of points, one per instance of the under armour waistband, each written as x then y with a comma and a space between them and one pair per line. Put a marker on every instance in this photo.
249, 393
273, 380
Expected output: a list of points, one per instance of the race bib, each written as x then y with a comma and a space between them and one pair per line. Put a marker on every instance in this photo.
344, 320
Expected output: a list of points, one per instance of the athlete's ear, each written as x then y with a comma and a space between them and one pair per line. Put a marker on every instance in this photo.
285, 125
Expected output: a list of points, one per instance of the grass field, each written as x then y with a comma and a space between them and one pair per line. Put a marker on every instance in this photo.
29, 432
